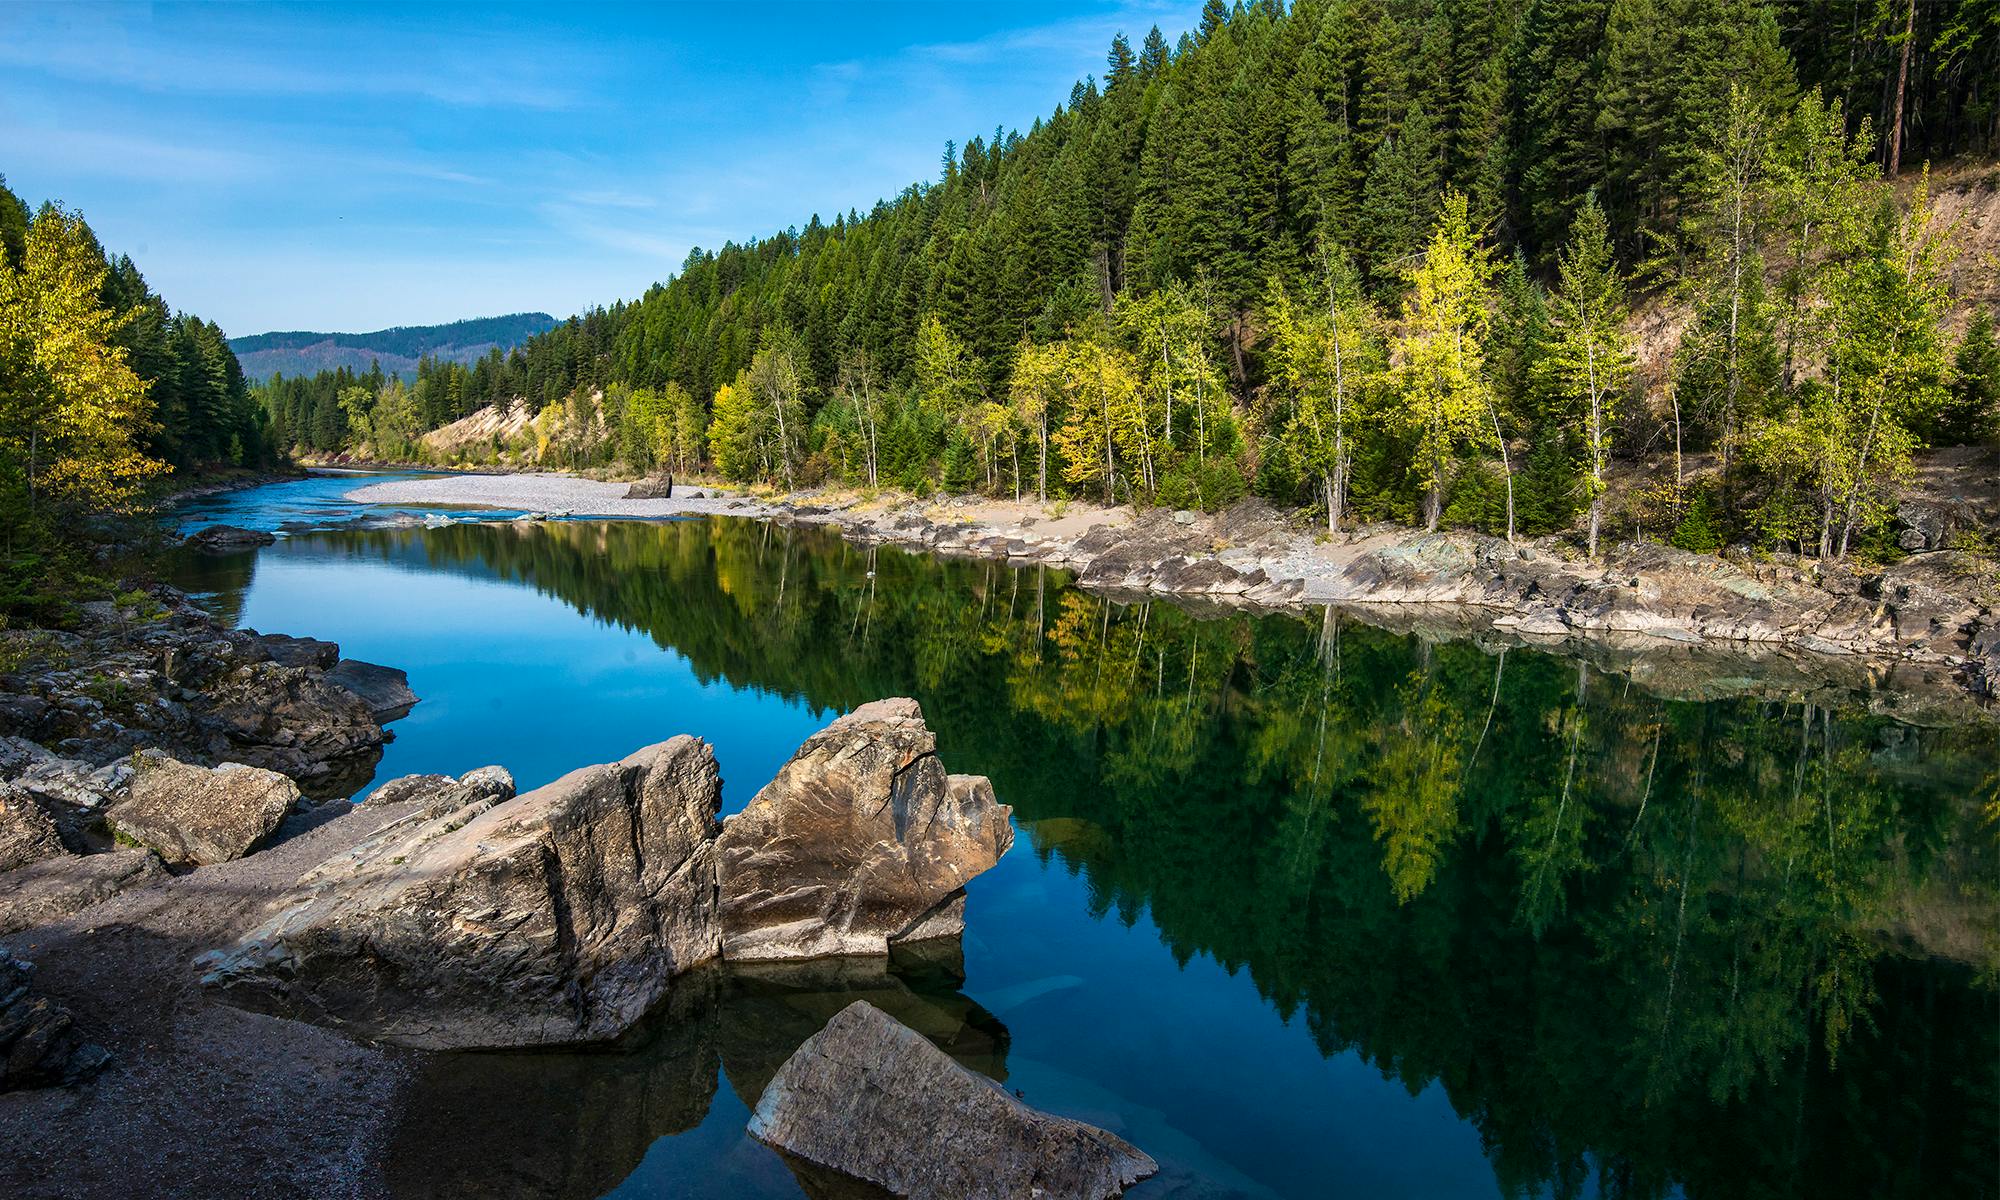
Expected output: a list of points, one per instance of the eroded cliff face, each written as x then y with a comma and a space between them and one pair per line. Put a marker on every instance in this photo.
564, 915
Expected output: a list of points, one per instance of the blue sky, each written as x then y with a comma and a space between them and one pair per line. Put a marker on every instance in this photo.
350, 167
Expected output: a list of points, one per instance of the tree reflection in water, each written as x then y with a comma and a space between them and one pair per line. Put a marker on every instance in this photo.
1647, 941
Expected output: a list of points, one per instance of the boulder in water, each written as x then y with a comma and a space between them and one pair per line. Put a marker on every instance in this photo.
860, 841
385, 690
220, 538
878, 1102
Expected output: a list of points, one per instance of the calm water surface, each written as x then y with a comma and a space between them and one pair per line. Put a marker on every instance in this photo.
1301, 907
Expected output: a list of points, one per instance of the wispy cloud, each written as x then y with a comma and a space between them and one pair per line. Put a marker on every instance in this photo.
129, 47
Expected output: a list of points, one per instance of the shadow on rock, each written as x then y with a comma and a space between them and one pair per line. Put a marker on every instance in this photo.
575, 1125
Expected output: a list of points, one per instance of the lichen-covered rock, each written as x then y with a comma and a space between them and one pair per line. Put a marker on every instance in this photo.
198, 816
56, 887
558, 916
39, 1043
877, 1102
860, 841
440, 794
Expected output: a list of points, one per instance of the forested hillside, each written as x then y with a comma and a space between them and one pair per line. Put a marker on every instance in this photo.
398, 351
103, 390
1377, 257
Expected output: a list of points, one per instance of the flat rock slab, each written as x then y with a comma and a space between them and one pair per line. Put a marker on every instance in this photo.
70, 883
871, 1099
385, 690
199, 816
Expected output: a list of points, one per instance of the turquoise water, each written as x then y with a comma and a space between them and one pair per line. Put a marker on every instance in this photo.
1301, 907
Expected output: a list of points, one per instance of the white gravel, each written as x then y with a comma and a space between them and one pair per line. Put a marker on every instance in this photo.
549, 494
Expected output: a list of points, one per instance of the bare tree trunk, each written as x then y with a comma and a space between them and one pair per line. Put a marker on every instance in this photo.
1902, 82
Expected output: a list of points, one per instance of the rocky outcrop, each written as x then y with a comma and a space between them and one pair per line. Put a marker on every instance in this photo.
157, 672
222, 538
480, 919
385, 690
198, 816
559, 916
875, 1101
39, 1043
441, 794
69, 883
862, 840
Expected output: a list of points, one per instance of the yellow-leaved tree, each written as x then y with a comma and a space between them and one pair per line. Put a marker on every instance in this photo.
1442, 394
71, 408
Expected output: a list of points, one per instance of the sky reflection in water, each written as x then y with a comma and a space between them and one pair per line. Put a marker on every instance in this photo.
1300, 909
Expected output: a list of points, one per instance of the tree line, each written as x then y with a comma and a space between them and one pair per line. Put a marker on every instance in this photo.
1373, 256
104, 391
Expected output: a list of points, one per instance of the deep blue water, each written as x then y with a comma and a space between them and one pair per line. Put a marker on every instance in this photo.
1301, 917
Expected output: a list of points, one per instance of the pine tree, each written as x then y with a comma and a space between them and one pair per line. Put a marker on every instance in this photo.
1972, 413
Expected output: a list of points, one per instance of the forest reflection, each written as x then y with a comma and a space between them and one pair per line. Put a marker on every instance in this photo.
1648, 945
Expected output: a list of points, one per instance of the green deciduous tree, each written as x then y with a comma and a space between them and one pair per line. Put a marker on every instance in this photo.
1590, 357
1441, 391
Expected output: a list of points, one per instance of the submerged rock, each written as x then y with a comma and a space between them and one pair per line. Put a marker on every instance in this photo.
56, 887
39, 1043
229, 537
860, 841
199, 816
874, 1100
559, 916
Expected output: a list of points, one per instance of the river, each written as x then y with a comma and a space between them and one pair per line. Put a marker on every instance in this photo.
1300, 906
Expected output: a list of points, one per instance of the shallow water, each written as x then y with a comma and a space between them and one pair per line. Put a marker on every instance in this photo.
1301, 907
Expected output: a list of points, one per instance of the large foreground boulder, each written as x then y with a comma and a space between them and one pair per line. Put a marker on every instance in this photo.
199, 816
860, 841
877, 1102
558, 916
39, 1043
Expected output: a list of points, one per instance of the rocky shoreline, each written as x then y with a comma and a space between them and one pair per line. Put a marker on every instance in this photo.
262, 994
1928, 622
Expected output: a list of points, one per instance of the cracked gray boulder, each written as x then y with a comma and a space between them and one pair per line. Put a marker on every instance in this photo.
878, 1102
198, 816
862, 840
558, 916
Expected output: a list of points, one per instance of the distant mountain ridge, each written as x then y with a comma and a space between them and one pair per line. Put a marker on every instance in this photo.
303, 352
